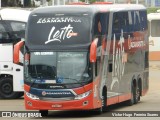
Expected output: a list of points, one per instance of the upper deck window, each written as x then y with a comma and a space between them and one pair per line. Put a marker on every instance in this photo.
101, 24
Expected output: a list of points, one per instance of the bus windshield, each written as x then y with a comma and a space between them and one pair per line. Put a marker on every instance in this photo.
59, 67
58, 31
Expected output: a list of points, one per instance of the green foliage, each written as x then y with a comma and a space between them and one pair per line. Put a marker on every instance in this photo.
14, 3
152, 9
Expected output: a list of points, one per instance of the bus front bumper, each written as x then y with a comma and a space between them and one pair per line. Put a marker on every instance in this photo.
82, 104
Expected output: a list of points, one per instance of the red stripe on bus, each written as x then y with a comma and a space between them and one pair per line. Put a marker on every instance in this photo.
124, 97
118, 99
112, 100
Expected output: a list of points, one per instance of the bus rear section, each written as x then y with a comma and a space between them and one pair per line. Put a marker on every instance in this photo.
154, 36
83, 57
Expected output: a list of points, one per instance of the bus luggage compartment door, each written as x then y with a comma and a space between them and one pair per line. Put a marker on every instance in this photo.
18, 80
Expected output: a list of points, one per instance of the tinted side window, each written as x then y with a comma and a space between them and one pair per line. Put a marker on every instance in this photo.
18, 29
101, 24
120, 23
136, 21
143, 18
4, 34
137, 25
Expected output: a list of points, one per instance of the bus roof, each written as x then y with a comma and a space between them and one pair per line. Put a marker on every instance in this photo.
153, 16
88, 8
15, 14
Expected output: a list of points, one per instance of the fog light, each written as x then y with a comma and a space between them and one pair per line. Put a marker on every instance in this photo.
85, 103
29, 103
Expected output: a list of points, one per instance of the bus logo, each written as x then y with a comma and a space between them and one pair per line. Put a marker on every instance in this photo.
44, 93
62, 34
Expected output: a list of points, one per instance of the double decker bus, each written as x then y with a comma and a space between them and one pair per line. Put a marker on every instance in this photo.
12, 30
154, 36
82, 57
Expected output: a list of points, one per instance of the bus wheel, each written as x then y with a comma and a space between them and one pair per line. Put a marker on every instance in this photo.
103, 108
43, 112
137, 94
139, 90
6, 89
104, 100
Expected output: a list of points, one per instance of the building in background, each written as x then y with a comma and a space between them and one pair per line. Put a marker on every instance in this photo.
147, 3
52, 2
153, 3
36, 3
127, 1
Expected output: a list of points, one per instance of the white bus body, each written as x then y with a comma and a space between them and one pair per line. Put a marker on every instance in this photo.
154, 36
12, 29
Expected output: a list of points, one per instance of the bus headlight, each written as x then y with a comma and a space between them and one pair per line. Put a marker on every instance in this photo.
81, 96
34, 97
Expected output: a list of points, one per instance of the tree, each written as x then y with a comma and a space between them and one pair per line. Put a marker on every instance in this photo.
152, 9
10, 3
27, 3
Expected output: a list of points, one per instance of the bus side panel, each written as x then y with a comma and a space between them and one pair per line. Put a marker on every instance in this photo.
128, 55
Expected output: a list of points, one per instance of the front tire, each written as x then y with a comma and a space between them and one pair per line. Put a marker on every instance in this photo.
6, 89
103, 108
104, 101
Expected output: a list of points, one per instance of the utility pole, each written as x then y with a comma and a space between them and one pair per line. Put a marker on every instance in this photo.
53, 2
137, 1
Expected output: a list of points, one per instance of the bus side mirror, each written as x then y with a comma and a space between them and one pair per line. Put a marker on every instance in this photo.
17, 48
93, 50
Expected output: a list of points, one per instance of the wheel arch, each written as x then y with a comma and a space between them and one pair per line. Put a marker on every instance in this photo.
5, 75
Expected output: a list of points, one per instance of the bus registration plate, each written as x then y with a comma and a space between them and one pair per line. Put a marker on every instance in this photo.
57, 106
